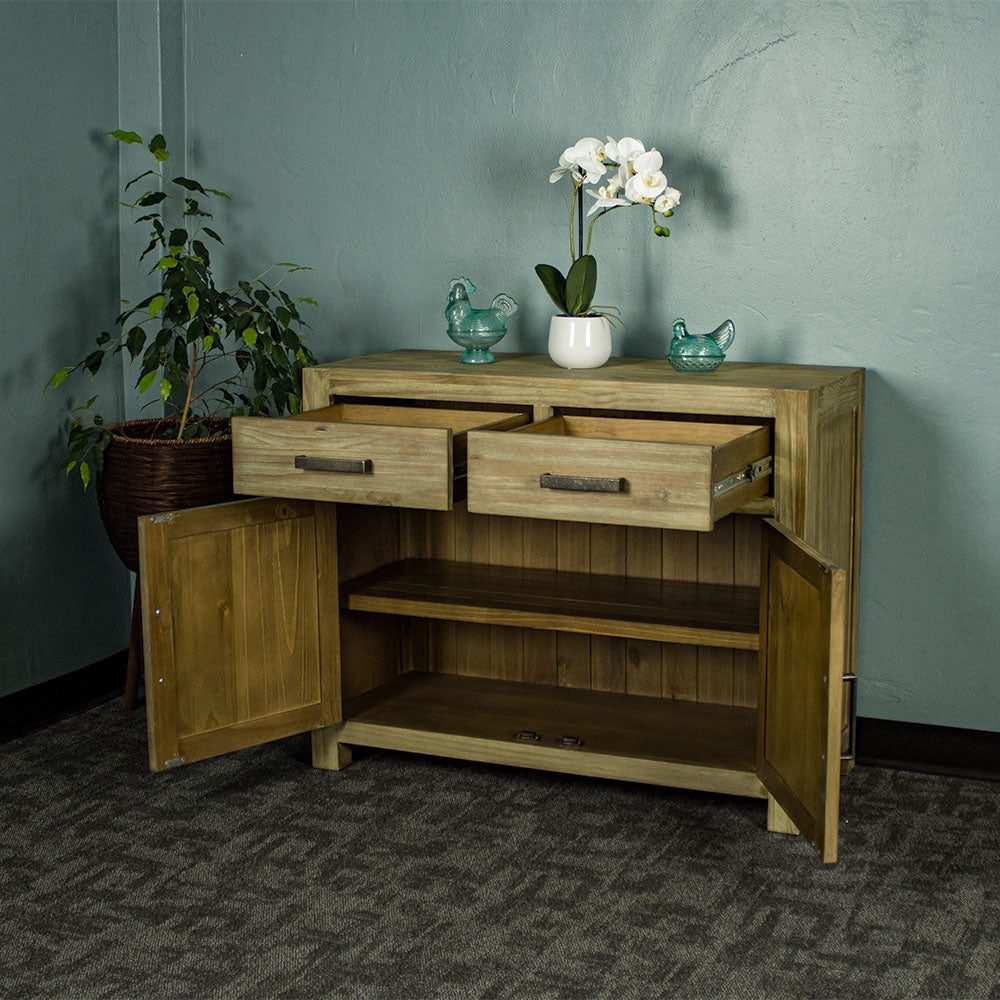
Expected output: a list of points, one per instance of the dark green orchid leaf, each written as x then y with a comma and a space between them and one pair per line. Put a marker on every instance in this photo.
554, 283
581, 283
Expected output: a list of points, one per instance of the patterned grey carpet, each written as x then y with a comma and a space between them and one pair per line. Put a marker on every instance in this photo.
254, 876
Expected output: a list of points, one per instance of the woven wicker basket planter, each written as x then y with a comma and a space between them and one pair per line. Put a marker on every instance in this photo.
145, 473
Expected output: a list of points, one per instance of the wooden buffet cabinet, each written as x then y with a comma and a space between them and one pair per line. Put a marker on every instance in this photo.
623, 572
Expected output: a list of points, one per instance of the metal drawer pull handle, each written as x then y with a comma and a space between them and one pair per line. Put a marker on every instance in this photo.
528, 736
362, 466
582, 484
571, 741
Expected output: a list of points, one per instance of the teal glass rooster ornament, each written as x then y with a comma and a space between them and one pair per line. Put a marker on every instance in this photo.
477, 330
689, 352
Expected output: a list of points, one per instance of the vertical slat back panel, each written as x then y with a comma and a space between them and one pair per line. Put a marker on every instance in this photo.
540, 648
573, 651
608, 555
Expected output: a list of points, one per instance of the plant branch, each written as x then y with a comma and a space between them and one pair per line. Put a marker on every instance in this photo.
186, 409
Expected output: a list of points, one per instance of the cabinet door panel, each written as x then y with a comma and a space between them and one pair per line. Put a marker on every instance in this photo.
802, 660
240, 626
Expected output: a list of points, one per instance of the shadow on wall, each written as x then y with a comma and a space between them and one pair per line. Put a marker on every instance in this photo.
704, 181
63, 590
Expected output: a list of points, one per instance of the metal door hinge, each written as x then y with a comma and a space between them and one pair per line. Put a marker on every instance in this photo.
161, 518
175, 761
753, 472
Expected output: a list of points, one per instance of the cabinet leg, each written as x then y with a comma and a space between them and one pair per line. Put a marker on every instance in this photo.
777, 818
327, 752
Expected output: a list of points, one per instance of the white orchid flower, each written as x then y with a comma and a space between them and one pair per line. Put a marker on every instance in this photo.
667, 201
627, 150
606, 198
583, 160
647, 162
646, 186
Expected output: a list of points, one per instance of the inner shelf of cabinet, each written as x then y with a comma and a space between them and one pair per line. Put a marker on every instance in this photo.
603, 734
562, 601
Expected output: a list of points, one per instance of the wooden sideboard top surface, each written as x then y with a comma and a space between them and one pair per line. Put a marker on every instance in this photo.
623, 383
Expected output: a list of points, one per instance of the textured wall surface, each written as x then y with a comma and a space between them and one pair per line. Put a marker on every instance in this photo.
836, 162
837, 165
64, 598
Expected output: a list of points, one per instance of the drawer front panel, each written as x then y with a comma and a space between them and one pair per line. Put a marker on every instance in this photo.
611, 480
344, 462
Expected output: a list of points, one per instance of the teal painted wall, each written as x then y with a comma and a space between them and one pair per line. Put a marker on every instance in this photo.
837, 163
64, 598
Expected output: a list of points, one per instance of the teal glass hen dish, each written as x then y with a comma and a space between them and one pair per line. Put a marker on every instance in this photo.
477, 330
692, 353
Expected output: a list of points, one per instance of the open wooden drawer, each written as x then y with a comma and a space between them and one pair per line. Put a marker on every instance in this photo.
399, 456
657, 473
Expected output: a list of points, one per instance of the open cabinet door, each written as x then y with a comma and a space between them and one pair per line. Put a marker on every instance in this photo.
240, 626
803, 649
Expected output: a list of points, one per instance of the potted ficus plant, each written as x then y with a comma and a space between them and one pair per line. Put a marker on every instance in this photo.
580, 334
205, 354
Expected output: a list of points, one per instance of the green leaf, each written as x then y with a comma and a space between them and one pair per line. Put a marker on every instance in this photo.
156, 303
211, 232
180, 354
165, 263
146, 381
313, 302
126, 137
135, 180
151, 198
581, 283
193, 303
554, 283
165, 389
57, 379
207, 342
158, 147
189, 185
250, 336
85, 474
178, 238
135, 341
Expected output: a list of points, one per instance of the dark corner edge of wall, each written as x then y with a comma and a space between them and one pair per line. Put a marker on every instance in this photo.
39, 705
911, 746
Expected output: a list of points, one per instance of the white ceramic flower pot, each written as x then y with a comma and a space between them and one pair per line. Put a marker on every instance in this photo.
579, 341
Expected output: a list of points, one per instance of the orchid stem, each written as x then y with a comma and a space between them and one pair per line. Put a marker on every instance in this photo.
572, 244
